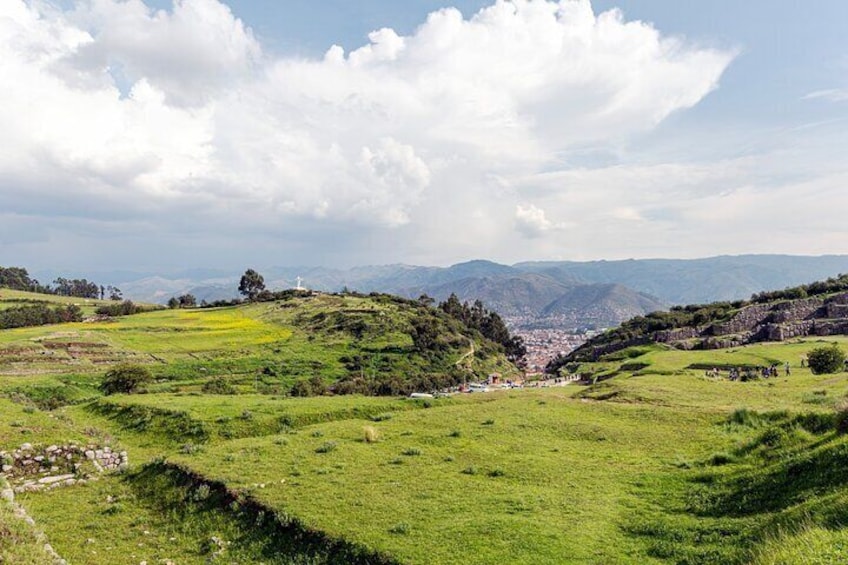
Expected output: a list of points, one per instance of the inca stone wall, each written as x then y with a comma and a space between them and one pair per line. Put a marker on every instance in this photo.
798, 310
746, 320
32, 469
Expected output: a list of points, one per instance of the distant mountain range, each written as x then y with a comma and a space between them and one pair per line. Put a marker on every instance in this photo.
542, 294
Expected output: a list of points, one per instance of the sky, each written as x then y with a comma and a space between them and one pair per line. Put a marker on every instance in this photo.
165, 135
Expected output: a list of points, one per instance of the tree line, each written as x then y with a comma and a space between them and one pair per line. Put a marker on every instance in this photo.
38, 315
18, 278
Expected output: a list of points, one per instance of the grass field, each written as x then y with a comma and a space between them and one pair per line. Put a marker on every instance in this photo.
10, 298
656, 463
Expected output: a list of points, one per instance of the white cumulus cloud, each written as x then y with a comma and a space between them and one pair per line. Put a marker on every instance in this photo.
179, 119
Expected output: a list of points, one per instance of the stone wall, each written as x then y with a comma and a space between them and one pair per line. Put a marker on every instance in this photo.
837, 310
668, 336
598, 351
782, 332
746, 320
31, 469
796, 310
838, 298
7, 497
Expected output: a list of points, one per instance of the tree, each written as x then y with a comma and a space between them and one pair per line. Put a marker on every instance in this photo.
826, 359
173, 303
187, 301
516, 351
16, 278
425, 333
114, 292
251, 284
125, 378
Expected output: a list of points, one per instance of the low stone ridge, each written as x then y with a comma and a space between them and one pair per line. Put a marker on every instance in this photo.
7, 497
30, 469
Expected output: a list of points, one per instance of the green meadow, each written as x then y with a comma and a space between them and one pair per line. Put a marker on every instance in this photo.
657, 462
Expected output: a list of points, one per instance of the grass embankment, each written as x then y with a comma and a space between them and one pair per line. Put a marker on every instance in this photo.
180, 417
160, 513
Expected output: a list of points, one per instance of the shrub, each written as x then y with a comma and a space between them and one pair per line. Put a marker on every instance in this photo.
314, 386
412, 452
817, 422
326, 447
125, 308
772, 437
842, 417
371, 434
218, 385
190, 448
826, 359
125, 379
401, 528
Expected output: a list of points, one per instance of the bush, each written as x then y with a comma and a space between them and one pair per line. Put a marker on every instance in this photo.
315, 386
841, 418
125, 308
826, 359
326, 447
218, 385
125, 379
371, 434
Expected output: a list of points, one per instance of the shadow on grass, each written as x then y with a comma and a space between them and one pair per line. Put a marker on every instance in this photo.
171, 425
253, 531
777, 486
793, 472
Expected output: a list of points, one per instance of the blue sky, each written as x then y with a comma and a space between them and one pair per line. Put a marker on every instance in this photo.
209, 133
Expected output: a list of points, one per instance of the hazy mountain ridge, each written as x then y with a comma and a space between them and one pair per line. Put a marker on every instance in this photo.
690, 281
599, 306
562, 292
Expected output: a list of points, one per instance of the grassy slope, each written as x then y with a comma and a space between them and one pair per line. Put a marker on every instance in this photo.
639, 468
10, 298
181, 344
531, 477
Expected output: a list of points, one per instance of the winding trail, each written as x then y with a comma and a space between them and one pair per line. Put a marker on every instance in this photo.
466, 355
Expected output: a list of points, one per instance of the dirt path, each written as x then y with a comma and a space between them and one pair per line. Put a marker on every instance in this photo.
467, 354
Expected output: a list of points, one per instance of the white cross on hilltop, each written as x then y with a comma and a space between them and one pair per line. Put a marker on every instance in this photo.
299, 284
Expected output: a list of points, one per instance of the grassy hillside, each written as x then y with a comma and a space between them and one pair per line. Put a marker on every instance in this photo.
266, 346
657, 463
10, 298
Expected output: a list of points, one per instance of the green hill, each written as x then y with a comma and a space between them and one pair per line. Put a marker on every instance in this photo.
656, 463
361, 344
819, 308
